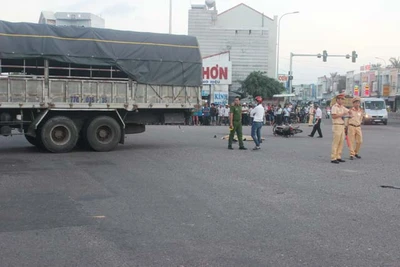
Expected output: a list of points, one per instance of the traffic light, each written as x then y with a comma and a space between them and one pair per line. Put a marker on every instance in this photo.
353, 56
324, 56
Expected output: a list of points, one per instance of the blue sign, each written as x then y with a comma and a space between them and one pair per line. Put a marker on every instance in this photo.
221, 98
205, 92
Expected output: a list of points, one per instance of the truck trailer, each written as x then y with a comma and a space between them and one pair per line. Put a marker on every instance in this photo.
63, 86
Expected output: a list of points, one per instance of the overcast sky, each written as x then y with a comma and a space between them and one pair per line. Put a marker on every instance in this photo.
370, 28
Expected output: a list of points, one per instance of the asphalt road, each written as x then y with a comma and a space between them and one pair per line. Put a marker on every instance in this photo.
177, 197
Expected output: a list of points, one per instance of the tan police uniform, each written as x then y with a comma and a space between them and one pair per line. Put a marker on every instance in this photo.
354, 129
338, 132
311, 113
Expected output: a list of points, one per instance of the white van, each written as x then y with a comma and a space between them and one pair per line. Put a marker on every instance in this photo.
375, 110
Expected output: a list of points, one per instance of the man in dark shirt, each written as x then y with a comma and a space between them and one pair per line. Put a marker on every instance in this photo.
213, 114
206, 115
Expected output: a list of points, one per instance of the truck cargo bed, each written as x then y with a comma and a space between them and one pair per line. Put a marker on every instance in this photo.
16, 92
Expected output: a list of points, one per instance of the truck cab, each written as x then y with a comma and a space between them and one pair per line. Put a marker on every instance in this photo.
375, 110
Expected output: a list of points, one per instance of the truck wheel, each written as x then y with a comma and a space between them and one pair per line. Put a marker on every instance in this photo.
59, 135
36, 141
103, 134
32, 140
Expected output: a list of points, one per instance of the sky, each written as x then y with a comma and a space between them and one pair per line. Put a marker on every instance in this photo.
341, 26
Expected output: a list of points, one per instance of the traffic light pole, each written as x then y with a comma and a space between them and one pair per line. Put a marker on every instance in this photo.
324, 55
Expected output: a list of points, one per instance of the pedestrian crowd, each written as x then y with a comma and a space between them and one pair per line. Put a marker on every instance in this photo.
346, 122
274, 114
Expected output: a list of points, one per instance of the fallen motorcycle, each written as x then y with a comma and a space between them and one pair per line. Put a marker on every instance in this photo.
286, 130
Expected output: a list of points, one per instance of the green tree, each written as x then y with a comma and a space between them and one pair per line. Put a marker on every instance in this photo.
258, 83
395, 62
376, 66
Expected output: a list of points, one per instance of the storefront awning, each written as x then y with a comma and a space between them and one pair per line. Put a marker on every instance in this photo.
284, 95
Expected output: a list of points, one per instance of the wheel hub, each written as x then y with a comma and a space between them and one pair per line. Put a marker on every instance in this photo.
104, 134
60, 134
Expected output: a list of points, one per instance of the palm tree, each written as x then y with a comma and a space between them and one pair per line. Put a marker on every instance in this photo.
395, 62
376, 66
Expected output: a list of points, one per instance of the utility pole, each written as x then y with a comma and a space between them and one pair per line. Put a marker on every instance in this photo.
279, 36
170, 16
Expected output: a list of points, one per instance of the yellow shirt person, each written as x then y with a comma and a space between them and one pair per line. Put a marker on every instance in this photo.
354, 128
338, 111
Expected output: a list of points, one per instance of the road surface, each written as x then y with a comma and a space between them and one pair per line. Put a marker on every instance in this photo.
177, 197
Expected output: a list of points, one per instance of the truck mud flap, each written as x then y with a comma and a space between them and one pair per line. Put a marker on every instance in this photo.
35, 123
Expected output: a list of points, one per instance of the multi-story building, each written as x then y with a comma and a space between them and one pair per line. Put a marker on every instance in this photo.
328, 87
306, 92
369, 82
387, 86
79, 19
322, 86
248, 35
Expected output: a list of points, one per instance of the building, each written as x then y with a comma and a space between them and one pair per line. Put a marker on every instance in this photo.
371, 81
79, 19
248, 35
217, 77
306, 92
322, 87
384, 83
328, 87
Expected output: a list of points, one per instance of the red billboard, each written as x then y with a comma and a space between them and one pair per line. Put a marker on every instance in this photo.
356, 92
366, 90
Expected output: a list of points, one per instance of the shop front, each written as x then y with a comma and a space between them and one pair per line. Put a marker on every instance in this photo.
217, 78
396, 106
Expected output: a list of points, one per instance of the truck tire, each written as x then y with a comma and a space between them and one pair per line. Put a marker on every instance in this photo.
103, 134
36, 141
32, 140
59, 135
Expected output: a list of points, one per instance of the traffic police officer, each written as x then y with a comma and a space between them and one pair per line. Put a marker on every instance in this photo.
235, 124
311, 115
338, 112
354, 128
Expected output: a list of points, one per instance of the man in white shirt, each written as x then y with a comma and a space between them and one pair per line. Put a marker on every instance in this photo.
258, 120
221, 112
317, 125
226, 114
290, 108
245, 115
251, 116
278, 115
286, 114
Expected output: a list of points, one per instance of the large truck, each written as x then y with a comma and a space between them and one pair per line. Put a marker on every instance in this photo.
63, 86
